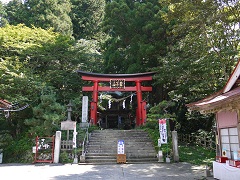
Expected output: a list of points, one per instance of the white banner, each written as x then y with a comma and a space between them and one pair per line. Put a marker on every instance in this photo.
163, 130
75, 136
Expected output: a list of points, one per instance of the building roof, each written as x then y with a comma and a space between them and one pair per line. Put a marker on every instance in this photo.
4, 104
227, 98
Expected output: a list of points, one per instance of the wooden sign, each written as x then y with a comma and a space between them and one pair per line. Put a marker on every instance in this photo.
117, 83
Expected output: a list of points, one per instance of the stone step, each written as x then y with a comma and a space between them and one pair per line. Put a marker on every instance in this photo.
101, 157
107, 150
117, 139
114, 144
139, 153
102, 146
114, 161
129, 155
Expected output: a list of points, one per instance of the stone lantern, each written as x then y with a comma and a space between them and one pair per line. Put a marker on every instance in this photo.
69, 109
68, 124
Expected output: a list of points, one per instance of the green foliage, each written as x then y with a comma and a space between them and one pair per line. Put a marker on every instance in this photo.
46, 116
194, 154
162, 110
42, 13
3, 21
87, 16
19, 151
65, 157
204, 48
152, 128
92, 128
137, 36
42, 54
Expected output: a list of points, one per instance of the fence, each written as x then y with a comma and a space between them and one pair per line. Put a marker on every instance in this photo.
200, 140
67, 145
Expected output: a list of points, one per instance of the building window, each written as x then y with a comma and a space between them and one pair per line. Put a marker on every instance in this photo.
229, 140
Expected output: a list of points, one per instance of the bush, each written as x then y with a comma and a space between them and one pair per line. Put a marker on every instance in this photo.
65, 157
19, 151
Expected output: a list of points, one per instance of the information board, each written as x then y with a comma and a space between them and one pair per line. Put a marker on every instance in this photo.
120, 147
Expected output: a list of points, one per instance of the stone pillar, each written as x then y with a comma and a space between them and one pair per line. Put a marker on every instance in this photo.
57, 147
175, 146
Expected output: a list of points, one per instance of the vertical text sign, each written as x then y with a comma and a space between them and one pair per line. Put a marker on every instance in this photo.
75, 136
84, 108
163, 130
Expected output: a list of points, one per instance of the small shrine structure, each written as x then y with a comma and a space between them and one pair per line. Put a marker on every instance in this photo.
226, 107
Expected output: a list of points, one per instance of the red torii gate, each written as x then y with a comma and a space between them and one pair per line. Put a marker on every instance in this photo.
117, 83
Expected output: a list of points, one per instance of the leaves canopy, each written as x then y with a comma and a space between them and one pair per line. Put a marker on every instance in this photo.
137, 36
41, 13
87, 16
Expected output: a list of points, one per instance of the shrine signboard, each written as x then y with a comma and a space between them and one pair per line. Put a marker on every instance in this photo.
117, 83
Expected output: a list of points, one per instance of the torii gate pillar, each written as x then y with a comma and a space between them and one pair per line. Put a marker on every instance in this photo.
139, 105
94, 103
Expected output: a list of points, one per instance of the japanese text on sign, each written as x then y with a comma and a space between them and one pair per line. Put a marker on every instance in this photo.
163, 130
117, 83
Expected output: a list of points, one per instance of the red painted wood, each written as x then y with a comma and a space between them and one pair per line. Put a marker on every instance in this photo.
94, 103
139, 100
137, 78
144, 112
105, 88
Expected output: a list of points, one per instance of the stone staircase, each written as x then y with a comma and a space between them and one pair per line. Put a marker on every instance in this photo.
102, 146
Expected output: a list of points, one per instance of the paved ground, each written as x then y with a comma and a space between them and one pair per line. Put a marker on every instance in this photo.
162, 171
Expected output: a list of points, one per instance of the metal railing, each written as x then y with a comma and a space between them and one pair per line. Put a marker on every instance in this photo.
85, 141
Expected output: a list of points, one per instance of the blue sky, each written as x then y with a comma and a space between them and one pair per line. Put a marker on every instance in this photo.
4, 1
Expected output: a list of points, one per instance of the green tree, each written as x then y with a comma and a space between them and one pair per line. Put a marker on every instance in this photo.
138, 37
205, 45
19, 88
16, 12
46, 116
3, 20
41, 13
87, 16
201, 56
47, 55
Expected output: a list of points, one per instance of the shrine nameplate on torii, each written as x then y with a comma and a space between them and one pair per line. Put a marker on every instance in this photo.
117, 83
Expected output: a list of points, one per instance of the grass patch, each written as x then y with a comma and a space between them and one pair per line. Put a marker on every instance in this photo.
196, 155
193, 154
